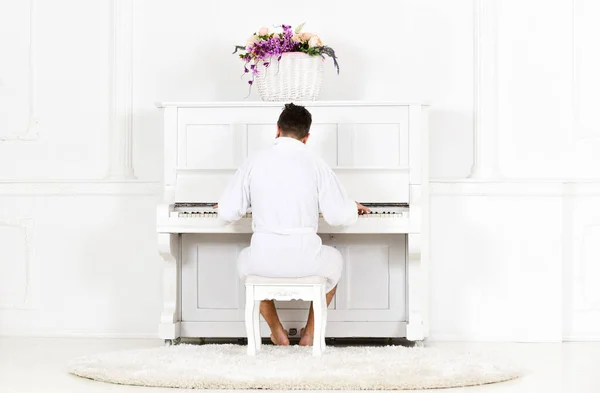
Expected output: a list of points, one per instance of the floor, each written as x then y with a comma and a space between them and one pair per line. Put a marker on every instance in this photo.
38, 365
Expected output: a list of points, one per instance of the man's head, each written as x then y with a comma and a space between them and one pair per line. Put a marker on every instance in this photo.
294, 122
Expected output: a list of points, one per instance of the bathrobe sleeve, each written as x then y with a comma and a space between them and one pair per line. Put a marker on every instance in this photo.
334, 203
235, 201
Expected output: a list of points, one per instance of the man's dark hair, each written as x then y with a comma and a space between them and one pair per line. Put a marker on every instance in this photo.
294, 121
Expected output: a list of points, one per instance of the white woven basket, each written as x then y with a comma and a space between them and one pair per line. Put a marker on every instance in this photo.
296, 77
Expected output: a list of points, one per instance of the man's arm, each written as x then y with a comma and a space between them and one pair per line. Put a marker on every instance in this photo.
335, 204
235, 201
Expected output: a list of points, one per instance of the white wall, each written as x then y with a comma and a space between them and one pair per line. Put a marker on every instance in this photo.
515, 252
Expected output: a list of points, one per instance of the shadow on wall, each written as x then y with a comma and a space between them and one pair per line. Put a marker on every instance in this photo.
148, 146
450, 144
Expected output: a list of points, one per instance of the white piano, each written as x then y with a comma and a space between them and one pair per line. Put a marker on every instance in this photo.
380, 153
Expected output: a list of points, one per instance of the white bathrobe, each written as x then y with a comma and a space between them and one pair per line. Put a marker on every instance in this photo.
287, 185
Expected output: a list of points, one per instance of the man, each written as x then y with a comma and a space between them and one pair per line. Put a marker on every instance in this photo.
287, 185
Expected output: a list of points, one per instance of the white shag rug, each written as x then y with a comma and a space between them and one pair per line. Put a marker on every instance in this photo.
226, 366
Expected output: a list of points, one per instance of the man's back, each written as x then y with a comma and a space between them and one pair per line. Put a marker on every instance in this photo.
284, 188
287, 185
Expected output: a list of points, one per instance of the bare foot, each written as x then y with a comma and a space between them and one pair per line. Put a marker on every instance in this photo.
280, 337
306, 339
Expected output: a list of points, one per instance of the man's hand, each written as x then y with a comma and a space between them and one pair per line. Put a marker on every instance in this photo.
362, 209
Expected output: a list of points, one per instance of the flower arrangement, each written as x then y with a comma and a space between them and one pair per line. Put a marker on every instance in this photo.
266, 45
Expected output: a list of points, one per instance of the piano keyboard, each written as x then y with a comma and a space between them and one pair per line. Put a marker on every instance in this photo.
208, 212
202, 218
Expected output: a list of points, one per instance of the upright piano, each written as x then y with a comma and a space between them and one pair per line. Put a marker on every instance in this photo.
379, 151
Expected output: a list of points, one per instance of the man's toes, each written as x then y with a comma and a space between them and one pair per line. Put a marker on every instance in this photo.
306, 340
280, 338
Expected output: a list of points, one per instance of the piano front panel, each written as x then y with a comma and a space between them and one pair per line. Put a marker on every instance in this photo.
368, 148
376, 186
202, 186
215, 146
366, 263
373, 279
372, 145
371, 288
323, 140
210, 287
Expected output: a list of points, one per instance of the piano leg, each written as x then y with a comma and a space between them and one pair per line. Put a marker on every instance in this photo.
170, 318
420, 343
170, 342
416, 290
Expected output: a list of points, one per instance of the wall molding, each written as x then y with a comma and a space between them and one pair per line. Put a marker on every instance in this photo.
482, 339
438, 187
31, 131
29, 300
77, 333
121, 91
591, 297
582, 338
485, 90
516, 187
576, 83
98, 187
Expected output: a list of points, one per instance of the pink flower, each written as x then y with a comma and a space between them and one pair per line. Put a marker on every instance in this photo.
296, 38
263, 31
252, 40
314, 41
304, 37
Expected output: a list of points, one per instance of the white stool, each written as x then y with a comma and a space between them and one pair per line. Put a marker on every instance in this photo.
305, 288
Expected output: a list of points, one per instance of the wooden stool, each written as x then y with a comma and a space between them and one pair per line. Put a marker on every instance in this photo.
305, 288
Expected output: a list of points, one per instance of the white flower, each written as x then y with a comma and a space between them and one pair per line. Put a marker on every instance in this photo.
263, 31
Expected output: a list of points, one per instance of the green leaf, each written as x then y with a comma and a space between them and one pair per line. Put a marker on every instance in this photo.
299, 28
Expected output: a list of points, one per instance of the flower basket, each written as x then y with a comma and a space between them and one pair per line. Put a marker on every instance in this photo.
286, 66
296, 76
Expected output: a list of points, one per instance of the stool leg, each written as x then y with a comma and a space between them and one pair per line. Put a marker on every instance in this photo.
249, 319
318, 313
324, 320
256, 324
